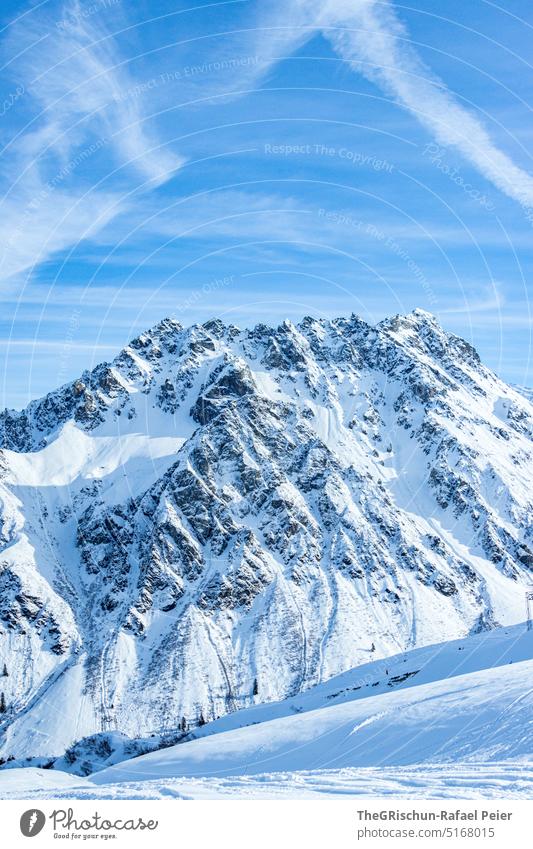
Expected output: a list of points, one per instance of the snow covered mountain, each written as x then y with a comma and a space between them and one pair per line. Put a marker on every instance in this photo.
222, 517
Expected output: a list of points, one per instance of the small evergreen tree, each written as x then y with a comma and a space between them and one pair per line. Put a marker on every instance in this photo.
255, 690
183, 724
373, 647
2, 703
201, 721
5, 673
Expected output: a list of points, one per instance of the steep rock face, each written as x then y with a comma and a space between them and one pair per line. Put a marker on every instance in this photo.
221, 517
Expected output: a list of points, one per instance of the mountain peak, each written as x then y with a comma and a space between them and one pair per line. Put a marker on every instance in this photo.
424, 315
417, 318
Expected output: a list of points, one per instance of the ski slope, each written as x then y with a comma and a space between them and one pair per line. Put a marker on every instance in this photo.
465, 730
499, 647
482, 716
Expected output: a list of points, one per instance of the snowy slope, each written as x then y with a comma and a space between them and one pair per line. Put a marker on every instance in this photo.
469, 735
526, 391
507, 780
484, 715
221, 518
484, 651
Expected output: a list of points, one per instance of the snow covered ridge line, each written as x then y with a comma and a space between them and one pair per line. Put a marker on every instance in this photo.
221, 518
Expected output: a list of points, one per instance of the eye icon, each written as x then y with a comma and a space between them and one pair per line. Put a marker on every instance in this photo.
32, 822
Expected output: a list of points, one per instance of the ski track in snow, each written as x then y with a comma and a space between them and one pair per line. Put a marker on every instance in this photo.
512, 780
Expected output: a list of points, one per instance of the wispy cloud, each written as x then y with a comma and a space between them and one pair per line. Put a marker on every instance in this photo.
481, 299
74, 79
376, 43
234, 215
81, 77
371, 38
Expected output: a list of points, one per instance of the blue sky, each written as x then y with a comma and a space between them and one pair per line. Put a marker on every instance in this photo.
257, 161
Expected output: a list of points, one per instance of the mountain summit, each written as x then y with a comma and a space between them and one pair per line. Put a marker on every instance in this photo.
221, 517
